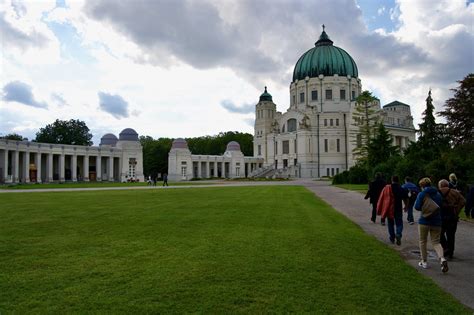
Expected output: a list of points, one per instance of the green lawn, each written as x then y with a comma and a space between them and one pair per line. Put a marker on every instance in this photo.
93, 185
209, 250
362, 188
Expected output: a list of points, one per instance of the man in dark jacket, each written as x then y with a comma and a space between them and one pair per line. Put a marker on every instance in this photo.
375, 188
452, 203
400, 195
469, 209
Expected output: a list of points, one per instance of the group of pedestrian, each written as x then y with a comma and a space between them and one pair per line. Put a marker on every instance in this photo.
439, 211
151, 181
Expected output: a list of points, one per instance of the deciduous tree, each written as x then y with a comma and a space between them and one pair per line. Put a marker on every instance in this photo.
65, 132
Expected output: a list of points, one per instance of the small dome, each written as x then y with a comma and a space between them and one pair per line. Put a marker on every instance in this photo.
324, 59
128, 134
108, 139
233, 146
179, 143
266, 96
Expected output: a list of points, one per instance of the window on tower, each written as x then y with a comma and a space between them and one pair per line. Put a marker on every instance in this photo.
291, 124
286, 146
343, 95
329, 94
301, 97
314, 95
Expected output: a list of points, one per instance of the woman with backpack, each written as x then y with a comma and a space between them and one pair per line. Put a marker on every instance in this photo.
451, 206
430, 222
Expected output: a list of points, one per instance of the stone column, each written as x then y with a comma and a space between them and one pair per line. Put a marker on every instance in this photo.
247, 171
74, 168
62, 167
208, 169
5, 167
199, 174
215, 169
223, 169
98, 168
85, 167
26, 167
49, 166
111, 168
38, 166
16, 166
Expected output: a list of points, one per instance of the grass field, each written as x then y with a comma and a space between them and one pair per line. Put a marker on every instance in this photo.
94, 185
362, 188
220, 250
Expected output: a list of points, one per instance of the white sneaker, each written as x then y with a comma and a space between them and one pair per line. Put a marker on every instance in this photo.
423, 264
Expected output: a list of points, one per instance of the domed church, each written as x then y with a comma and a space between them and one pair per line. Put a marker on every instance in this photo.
317, 134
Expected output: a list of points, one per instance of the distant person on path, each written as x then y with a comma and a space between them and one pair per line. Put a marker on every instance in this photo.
430, 225
413, 191
154, 180
165, 179
453, 181
375, 188
469, 209
149, 180
390, 206
452, 203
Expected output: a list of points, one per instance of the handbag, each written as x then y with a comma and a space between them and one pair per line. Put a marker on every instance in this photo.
429, 207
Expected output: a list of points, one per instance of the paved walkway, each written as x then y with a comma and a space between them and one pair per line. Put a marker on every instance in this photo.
459, 281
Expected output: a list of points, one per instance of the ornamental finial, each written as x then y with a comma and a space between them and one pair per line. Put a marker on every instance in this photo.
265, 89
324, 27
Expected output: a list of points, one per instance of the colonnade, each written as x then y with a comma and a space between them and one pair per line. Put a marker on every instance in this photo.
21, 165
222, 169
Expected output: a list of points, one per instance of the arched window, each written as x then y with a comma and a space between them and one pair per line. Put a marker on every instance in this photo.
291, 124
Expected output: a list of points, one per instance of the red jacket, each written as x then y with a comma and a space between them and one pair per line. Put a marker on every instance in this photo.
386, 203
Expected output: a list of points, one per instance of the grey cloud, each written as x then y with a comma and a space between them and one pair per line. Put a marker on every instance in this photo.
113, 104
17, 38
17, 91
58, 99
18, 7
231, 107
262, 40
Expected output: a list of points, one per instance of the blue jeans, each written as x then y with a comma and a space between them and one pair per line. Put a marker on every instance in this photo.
410, 214
398, 222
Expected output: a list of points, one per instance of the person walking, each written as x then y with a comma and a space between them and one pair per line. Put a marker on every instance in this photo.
375, 188
390, 206
469, 209
165, 179
452, 203
412, 191
453, 181
430, 224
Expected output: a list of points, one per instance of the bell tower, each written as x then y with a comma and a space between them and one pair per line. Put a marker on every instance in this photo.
265, 112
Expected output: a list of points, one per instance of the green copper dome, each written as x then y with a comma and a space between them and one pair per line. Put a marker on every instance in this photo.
266, 96
324, 59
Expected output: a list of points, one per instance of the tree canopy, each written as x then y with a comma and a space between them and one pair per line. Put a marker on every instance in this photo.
65, 132
459, 112
14, 136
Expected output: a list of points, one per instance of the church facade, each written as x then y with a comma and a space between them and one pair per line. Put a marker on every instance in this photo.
318, 133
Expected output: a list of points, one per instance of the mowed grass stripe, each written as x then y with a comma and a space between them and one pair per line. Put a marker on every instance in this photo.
232, 249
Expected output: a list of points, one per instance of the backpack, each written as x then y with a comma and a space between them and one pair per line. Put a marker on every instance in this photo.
412, 194
447, 209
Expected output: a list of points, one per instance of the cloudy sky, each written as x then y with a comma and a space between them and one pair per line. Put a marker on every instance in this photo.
172, 68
